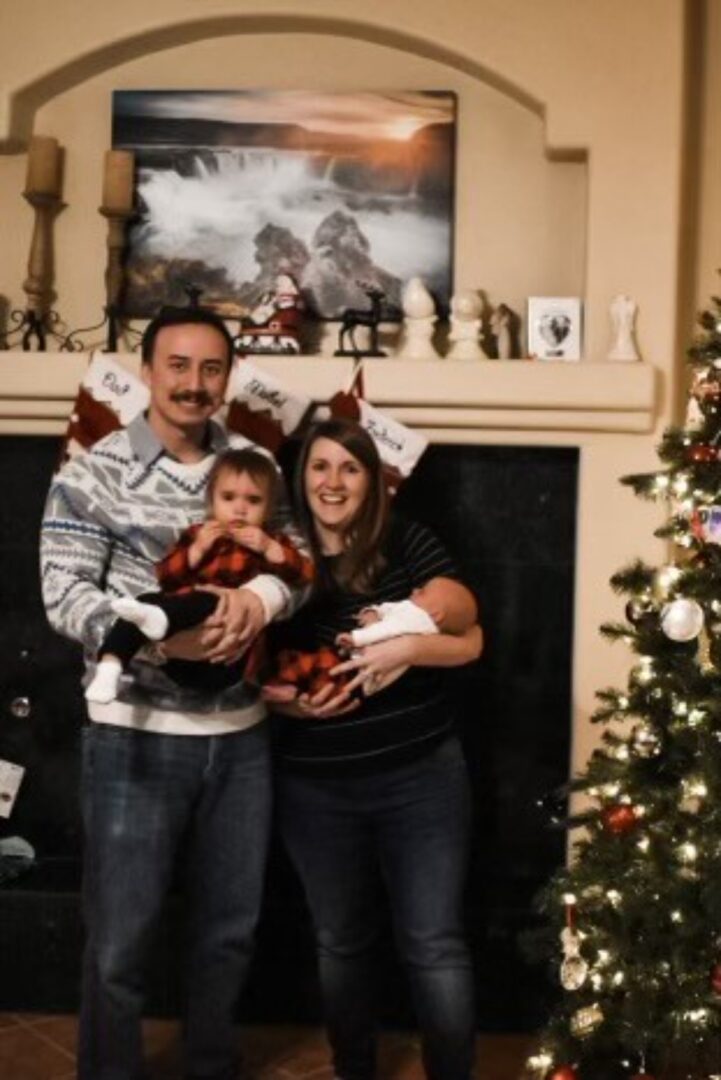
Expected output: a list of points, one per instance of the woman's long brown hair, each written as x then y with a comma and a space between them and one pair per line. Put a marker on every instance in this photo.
361, 561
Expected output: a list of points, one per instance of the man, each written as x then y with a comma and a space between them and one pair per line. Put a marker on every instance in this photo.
168, 771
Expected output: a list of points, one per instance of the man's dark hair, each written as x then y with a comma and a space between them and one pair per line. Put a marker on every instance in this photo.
183, 316
261, 469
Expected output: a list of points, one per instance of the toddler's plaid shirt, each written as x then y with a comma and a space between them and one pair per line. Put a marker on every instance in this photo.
228, 564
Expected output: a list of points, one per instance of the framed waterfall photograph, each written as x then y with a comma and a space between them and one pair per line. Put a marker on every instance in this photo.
344, 192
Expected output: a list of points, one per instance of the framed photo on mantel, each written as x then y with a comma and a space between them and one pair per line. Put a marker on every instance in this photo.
554, 327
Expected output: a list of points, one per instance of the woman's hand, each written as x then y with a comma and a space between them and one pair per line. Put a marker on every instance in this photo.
380, 664
377, 666
325, 705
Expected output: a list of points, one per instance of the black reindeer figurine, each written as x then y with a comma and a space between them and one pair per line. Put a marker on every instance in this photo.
354, 317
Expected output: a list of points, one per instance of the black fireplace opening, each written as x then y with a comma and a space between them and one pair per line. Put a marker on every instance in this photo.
508, 515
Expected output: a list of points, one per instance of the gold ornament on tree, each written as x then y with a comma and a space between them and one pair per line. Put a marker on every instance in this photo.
585, 1021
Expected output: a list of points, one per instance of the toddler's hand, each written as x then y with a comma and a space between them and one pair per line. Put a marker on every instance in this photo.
206, 536
251, 537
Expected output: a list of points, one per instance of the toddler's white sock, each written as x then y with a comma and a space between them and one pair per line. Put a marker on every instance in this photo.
149, 618
103, 687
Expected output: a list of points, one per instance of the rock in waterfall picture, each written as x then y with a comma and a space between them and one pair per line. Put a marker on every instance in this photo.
345, 192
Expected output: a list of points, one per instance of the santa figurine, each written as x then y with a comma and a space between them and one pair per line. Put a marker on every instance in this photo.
273, 326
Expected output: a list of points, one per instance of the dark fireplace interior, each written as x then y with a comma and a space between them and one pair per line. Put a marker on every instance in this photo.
508, 515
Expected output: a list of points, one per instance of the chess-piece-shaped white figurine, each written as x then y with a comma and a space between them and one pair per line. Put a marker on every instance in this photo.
465, 327
501, 330
623, 313
419, 309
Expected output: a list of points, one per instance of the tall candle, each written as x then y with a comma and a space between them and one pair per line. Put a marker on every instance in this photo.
118, 178
43, 174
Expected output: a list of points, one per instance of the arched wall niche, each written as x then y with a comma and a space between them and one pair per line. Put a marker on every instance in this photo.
521, 208
23, 102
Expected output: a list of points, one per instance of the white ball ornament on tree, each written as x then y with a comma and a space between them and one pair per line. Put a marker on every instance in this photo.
682, 620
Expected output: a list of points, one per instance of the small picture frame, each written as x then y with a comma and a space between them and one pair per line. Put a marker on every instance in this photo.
554, 327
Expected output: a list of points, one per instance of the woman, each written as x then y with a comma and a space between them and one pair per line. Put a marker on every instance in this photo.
372, 791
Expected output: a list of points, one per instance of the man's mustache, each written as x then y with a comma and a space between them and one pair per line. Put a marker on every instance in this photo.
192, 397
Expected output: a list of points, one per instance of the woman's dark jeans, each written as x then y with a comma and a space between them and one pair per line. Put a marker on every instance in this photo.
149, 799
406, 829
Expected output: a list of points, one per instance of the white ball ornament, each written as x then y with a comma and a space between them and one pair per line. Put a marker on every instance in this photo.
682, 620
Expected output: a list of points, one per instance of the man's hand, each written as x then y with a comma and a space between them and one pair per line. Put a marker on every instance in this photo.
239, 618
192, 644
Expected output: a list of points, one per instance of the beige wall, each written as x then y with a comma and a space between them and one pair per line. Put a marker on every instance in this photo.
708, 262
541, 84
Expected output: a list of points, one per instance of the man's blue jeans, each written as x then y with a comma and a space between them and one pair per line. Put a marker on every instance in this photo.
405, 829
150, 803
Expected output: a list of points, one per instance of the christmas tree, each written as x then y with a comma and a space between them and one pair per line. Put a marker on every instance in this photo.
634, 923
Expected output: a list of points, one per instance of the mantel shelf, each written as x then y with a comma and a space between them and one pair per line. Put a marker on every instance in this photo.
37, 391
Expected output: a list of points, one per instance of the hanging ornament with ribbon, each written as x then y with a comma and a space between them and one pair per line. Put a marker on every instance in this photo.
574, 969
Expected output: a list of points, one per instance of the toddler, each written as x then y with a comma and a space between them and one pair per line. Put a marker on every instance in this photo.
228, 549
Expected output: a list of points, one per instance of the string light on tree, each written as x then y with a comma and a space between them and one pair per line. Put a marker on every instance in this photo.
693, 791
666, 578
644, 670
645, 741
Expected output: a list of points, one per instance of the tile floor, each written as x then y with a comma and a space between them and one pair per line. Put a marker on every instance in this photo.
40, 1047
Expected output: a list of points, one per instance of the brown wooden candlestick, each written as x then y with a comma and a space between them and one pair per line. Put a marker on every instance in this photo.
38, 286
117, 219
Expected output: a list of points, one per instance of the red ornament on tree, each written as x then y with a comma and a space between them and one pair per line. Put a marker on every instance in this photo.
702, 453
619, 820
716, 978
566, 1072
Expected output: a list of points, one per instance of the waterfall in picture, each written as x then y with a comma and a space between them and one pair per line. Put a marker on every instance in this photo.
343, 192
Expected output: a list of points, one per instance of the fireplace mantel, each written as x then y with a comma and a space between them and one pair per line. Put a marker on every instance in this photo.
449, 399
